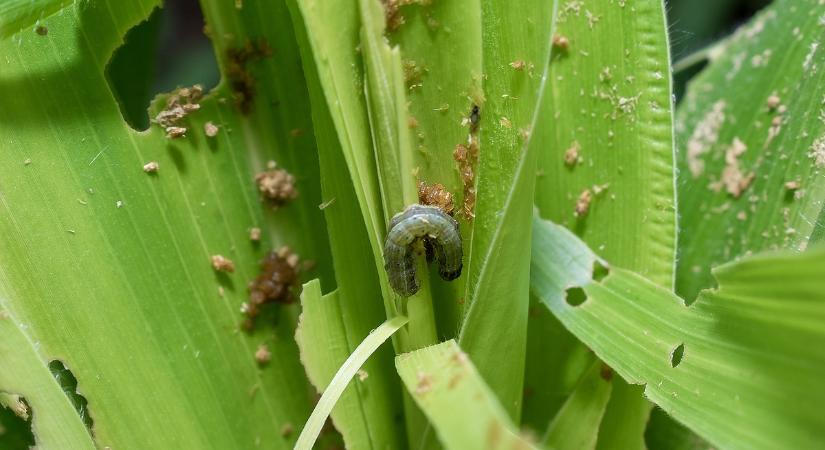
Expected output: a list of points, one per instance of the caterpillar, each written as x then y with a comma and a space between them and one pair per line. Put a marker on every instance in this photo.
440, 235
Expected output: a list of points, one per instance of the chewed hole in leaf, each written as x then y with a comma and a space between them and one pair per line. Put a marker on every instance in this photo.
676, 355
68, 383
15, 422
170, 46
600, 271
575, 296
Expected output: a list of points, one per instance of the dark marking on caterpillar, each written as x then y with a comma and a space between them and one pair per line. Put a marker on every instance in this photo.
440, 234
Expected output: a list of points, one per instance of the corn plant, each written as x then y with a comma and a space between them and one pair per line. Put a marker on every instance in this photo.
588, 265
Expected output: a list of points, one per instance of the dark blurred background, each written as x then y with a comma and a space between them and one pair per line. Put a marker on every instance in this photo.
695, 24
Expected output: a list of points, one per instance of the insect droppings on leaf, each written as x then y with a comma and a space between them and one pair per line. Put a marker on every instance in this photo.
817, 152
733, 179
151, 167
424, 383
262, 354
240, 78
210, 129
561, 42
466, 157
571, 155
435, 195
175, 132
179, 104
413, 74
18, 406
277, 186
222, 264
583, 203
774, 101
278, 276
518, 64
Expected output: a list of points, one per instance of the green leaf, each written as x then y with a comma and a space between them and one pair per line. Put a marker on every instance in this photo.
16, 15
462, 408
330, 38
323, 348
55, 422
496, 266
556, 361
757, 338
108, 268
625, 420
610, 108
605, 167
386, 105
364, 414
332, 43
387, 108
576, 426
739, 150
279, 124
441, 48
356, 275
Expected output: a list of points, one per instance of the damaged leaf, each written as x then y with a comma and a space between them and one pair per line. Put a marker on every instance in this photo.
758, 337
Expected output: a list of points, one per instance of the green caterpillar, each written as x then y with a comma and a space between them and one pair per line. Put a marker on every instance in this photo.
440, 234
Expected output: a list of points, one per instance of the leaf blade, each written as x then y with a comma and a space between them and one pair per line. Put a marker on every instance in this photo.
635, 326
338, 383
55, 423
109, 266
737, 152
505, 188
451, 392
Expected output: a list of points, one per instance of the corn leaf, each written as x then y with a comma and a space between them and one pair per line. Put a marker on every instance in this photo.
360, 410
461, 407
606, 128
23, 368
606, 164
751, 159
18, 14
496, 266
441, 50
364, 413
740, 366
576, 426
107, 268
